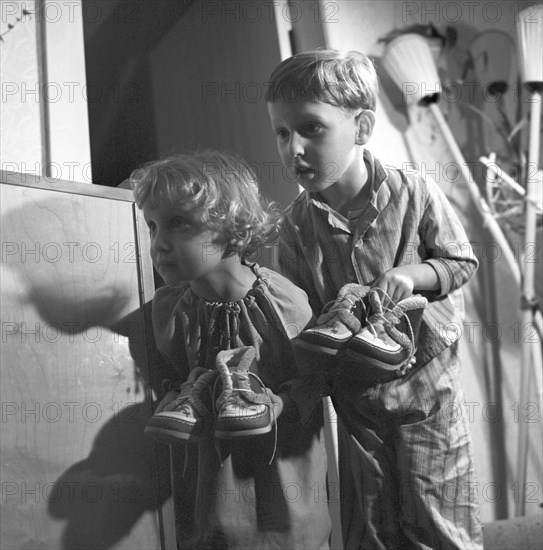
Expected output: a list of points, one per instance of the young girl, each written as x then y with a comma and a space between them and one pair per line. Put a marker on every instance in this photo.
207, 221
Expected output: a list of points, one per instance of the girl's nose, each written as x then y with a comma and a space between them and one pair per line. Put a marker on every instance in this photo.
160, 241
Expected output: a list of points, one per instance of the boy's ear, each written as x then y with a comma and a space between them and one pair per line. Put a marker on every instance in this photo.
365, 121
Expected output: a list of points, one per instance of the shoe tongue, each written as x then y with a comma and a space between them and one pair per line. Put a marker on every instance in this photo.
375, 301
361, 309
239, 357
377, 323
185, 409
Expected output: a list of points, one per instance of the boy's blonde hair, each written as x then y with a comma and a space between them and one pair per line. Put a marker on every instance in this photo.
347, 80
215, 190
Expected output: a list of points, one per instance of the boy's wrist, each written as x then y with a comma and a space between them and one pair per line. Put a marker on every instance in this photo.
423, 276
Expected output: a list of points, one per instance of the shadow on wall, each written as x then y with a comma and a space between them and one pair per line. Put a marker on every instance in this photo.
125, 475
77, 353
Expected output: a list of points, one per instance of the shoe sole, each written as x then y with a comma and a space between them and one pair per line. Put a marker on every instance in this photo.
372, 361
167, 428
226, 434
169, 436
311, 346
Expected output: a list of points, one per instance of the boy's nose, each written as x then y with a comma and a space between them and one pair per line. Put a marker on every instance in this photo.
296, 146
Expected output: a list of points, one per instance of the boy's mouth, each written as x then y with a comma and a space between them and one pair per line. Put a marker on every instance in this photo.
304, 173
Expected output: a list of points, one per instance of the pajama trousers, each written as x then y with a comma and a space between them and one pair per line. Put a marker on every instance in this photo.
407, 478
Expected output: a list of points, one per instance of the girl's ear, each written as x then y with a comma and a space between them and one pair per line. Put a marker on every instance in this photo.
365, 121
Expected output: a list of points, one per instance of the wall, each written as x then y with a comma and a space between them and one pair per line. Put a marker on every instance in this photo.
77, 470
215, 97
359, 26
44, 105
20, 133
120, 36
66, 94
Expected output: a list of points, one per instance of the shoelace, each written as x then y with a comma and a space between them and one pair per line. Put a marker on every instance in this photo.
274, 418
331, 323
352, 304
185, 408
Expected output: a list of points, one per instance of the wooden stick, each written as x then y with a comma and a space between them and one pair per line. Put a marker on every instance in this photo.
331, 444
506, 178
528, 296
489, 163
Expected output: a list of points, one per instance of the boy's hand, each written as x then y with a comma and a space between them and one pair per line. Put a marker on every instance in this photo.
396, 283
400, 282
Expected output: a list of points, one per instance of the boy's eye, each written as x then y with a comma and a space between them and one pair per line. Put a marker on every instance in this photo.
151, 226
311, 129
281, 133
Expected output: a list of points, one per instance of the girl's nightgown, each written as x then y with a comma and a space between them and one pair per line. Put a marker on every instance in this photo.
261, 492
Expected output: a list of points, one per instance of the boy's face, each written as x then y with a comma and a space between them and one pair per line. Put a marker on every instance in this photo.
181, 252
317, 142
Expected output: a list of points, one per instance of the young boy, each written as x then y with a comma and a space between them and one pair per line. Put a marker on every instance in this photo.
405, 461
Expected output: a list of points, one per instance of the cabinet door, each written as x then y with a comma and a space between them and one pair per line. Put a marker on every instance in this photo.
77, 470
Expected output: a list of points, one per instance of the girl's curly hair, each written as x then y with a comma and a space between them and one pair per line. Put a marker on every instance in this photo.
215, 190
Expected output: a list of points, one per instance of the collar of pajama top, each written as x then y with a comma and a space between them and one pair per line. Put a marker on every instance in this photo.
358, 223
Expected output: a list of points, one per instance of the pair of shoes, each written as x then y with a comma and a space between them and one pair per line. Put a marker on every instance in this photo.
388, 341
242, 409
338, 324
364, 330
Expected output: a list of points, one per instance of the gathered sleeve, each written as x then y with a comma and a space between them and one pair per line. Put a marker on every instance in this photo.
285, 305
169, 337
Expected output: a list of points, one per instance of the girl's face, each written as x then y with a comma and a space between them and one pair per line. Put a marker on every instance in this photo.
181, 252
316, 142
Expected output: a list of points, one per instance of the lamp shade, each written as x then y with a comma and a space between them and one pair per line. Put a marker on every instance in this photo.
409, 61
491, 52
530, 45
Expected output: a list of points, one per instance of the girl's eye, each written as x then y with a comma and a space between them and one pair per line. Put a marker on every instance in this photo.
281, 133
179, 222
151, 226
